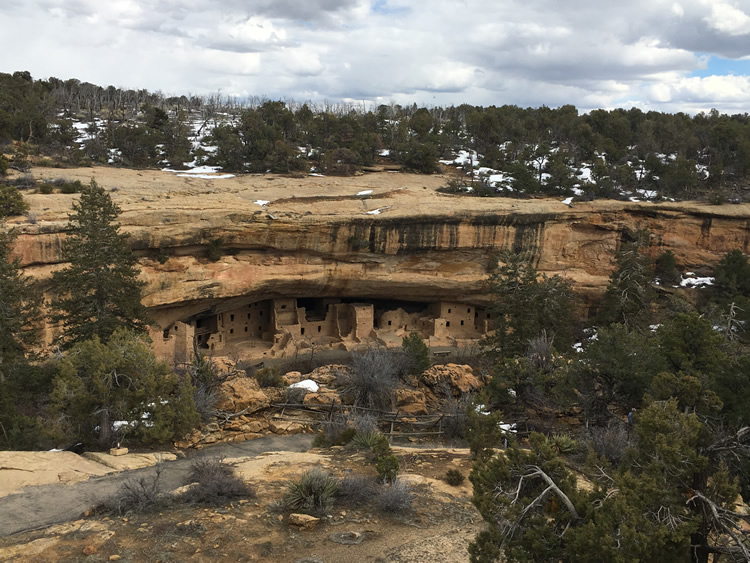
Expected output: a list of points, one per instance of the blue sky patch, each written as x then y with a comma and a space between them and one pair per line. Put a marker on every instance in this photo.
721, 67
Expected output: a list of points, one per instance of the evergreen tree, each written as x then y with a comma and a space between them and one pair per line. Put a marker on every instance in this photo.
19, 308
524, 305
99, 291
627, 297
417, 353
99, 384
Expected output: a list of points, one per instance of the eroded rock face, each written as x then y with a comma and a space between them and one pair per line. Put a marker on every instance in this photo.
423, 246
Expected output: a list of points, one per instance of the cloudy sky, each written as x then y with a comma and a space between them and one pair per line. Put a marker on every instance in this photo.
667, 55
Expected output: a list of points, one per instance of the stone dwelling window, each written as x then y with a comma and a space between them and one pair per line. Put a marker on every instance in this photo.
448, 323
245, 329
468, 310
260, 329
249, 315
261, 313
231, 331
318, 328
165, 334
462, 323
476, 314
449, 310
302, 330
231, 318
389, 323
488, 315
283, 306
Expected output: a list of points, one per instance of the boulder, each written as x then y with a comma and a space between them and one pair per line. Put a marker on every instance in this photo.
304, 521
241, 394
459, 379
284, 427
323, 397
327, 375
410, 401
291, 377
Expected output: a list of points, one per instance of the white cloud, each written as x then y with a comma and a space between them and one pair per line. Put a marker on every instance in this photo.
729, 19
525, 52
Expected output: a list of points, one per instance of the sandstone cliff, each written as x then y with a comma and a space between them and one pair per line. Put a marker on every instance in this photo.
318, 237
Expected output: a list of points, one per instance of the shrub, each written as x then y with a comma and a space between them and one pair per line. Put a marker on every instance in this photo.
268, 377
395, 498
356, 489
382, 446
373, 377
313, 492
366, 440
3, 165
295, 395
138, 495
454, 424
46, 188
216, 482
454, 477
363, 422
74, 187
215, 249
563, 443
387, 467
610, 441
337, 433
11, 202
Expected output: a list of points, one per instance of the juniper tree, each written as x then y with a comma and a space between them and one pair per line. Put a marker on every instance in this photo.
525, 304
19, 308
99, 291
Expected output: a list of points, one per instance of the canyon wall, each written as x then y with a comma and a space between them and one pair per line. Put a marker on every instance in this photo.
404, 244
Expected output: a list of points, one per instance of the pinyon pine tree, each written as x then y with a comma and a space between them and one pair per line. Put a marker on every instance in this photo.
99, 291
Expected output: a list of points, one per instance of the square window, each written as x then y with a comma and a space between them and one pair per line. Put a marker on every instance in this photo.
447, 323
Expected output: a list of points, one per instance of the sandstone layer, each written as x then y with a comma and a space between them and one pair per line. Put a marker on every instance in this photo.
316, 237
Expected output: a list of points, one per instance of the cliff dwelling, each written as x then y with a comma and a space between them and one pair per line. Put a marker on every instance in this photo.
277, 328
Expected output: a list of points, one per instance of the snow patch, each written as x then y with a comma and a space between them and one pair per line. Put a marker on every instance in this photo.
308, 384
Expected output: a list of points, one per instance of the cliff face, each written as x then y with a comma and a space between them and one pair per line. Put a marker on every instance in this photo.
420, 246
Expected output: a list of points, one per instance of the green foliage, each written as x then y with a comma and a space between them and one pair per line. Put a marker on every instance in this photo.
454, 477
19, 308
3, 165
314, 492
417, 353
665, 267
387, 467
215, 249
524, 305
616, 368
627, 297
638, 511
99, 291
366, 440
483, 432
46, 188
690, 344
11, 202
563, 443
98, 384
732, 276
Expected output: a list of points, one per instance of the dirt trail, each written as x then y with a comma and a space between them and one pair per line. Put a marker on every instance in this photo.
37, 507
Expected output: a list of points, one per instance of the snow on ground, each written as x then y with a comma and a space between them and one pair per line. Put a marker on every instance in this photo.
308, 384
364, 192
695, 281
584, 174
261, 202
207, 176
464, 158
377, 211
567, 200
385, 152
